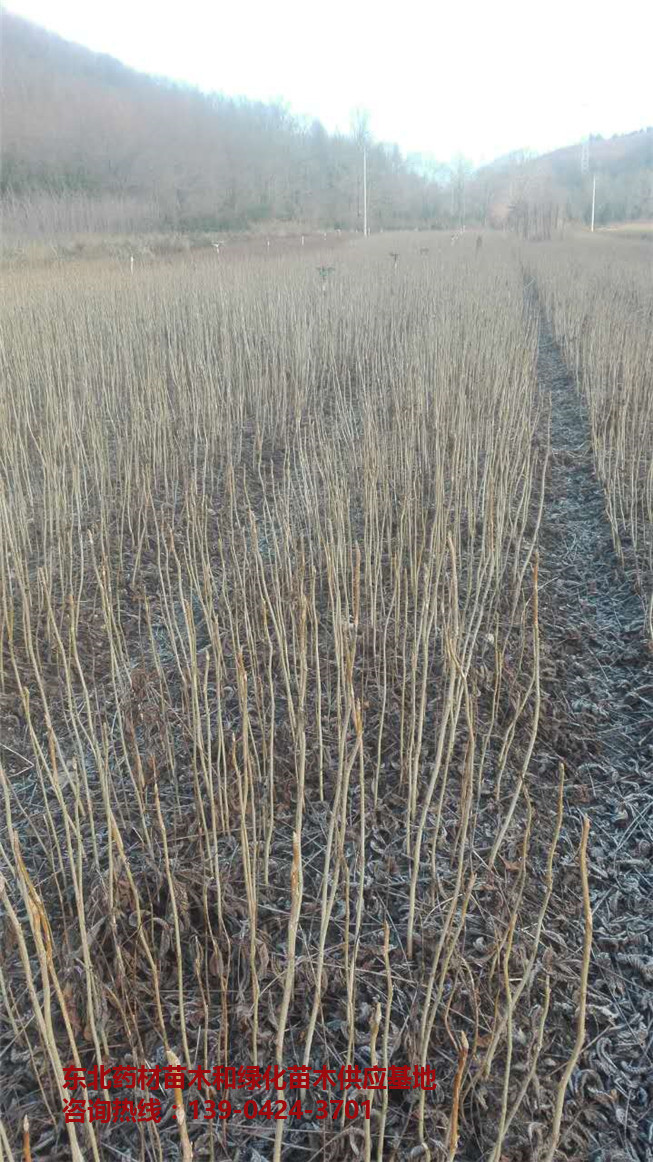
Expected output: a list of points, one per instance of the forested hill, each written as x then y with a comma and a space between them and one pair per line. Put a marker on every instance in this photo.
532, 193
90, 146
148, 153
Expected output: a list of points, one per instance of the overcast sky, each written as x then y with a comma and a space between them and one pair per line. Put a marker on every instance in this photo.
477, 78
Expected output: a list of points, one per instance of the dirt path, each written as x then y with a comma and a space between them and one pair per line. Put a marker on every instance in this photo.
599, 683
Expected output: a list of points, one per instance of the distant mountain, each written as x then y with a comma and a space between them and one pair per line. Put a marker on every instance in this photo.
88, 143
535, 194
91, 146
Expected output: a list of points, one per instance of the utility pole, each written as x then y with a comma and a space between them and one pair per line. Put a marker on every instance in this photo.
364, 190
593, 202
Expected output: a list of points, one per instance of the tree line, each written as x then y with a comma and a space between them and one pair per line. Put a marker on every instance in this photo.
89, 145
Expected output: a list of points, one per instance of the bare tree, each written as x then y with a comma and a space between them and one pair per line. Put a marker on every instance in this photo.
360, 121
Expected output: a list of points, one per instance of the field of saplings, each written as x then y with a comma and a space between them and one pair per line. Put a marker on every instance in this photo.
326, 692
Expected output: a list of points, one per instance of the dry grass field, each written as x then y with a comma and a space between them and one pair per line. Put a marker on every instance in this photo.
326, 588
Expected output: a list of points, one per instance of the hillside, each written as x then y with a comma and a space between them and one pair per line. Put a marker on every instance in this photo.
536, 195
90, 144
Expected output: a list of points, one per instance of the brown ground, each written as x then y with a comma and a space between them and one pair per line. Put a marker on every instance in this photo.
598, 679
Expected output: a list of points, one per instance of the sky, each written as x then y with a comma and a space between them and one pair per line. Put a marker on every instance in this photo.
477, 79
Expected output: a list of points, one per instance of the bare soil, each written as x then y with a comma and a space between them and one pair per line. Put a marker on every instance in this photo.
598, 683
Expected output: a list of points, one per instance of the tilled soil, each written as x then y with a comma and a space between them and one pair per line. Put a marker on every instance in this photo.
598, 679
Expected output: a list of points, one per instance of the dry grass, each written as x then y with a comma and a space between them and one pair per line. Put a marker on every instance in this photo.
270, 696
638, 229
